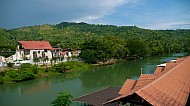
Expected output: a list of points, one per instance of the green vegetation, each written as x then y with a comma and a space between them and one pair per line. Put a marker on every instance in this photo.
112, 41
137, 48
63, 99
104, 49
70, 66
28, 71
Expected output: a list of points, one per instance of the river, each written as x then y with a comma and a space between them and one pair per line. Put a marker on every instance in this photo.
40, 92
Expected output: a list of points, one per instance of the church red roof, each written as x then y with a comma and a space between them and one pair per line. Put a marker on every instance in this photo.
35, 45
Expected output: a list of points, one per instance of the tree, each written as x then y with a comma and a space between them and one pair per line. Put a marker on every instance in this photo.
44, 59
104, 49
36, 60
137, 48
75, 34
92, 51
60, 67
10, 65
63, 99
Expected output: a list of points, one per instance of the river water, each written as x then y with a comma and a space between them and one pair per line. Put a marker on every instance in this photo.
40, 92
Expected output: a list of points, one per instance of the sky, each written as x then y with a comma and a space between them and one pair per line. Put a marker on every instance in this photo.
149, 14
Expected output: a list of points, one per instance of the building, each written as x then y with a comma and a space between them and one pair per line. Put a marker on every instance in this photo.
28, 50
76, 52
2, 62
56, 52
41, 51
168, 86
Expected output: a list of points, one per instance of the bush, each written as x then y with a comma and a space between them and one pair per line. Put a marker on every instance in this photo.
20, 75
59, 67
35, 69
26, 75
1, 80
36, 60
25, 66
6, 79
2, 73
10, 65
70, 65
63, 99
12, 73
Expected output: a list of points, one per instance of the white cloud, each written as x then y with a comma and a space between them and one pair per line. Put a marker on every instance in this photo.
82, 10
32, 12
169, 25
143, 13
35, 12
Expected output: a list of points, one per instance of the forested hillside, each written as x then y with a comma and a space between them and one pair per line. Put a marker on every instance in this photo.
107, 40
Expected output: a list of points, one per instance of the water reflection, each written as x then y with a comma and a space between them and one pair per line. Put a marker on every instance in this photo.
113, 75
28, 87
37, 87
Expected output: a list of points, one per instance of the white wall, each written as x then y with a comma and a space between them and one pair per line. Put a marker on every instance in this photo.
2, 61
39, 54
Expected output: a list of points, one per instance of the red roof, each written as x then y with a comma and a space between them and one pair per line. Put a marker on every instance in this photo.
56, 49
144, 79
63, 53
35, 45
170, 65
171, 88
158, 70
127, 86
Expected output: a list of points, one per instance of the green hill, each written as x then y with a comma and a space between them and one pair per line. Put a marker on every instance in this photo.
74, 35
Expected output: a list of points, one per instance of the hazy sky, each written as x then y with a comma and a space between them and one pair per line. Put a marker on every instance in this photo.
152, 14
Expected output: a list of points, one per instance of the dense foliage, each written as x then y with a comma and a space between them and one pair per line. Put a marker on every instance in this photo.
63, 99
70, 66
104, 49
100, 42
28, 71
24, 72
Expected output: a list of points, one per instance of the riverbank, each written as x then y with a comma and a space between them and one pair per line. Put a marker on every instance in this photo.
109, 62
28, 71
41, 91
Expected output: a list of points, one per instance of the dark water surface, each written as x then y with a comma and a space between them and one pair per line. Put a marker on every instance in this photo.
40, 92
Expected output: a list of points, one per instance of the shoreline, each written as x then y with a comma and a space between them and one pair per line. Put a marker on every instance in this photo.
11, 75
44, 71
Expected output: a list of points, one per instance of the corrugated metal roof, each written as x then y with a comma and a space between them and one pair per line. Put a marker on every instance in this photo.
35, 45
